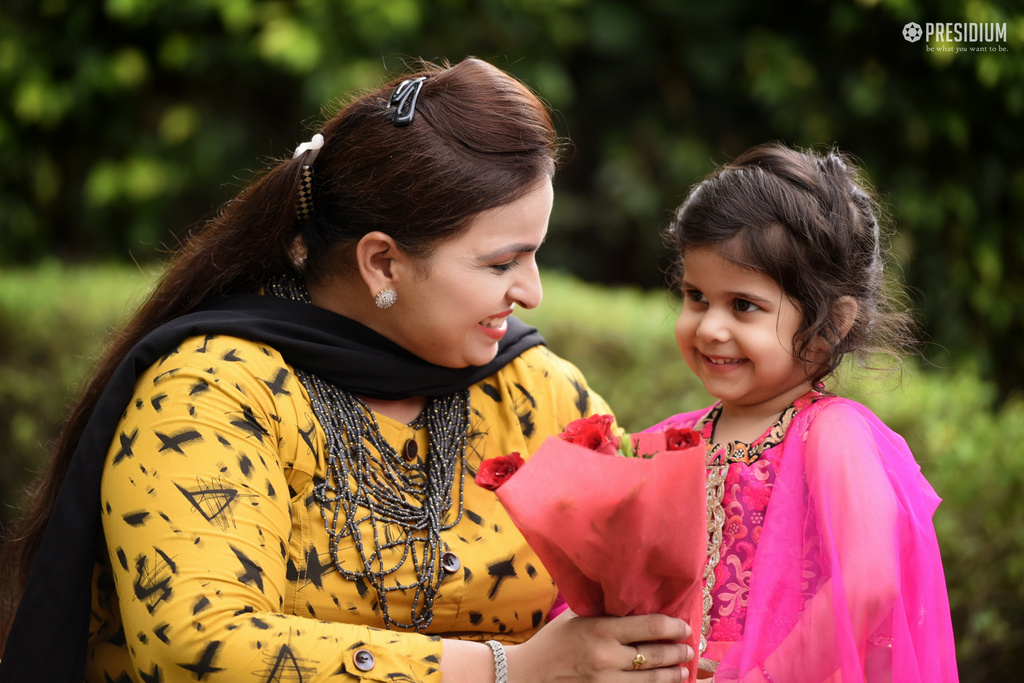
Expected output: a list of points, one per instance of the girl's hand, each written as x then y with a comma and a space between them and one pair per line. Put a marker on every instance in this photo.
603, 649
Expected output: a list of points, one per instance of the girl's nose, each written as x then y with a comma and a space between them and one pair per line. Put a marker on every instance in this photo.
713, 327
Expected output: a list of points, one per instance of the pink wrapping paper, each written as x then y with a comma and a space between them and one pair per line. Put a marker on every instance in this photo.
620, 536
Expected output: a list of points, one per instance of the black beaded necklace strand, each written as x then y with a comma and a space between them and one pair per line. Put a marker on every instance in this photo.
367, 481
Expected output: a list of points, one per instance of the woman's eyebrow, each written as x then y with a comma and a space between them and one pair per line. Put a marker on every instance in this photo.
510, 249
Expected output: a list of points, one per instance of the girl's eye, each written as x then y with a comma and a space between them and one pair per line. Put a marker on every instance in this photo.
505, 267
696, 296
744, 306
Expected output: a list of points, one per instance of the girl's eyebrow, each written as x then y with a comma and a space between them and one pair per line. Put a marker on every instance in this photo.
752, 298
746, 296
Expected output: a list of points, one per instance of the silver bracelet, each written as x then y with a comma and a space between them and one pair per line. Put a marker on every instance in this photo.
500, 663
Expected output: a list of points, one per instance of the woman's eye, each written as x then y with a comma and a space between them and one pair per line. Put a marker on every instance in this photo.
504, 267
744, 306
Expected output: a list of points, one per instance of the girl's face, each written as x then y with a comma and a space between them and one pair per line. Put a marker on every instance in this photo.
736, 333
453, 306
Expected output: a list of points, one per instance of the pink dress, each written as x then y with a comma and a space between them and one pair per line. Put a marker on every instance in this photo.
826, 567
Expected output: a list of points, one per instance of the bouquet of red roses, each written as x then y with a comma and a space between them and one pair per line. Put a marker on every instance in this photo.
619, 535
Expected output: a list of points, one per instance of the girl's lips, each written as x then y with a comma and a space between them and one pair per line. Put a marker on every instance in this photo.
721, 362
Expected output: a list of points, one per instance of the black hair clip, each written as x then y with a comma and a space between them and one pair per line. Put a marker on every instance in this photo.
404, 98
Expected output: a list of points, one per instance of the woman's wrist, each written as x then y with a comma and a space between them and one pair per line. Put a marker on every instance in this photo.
500, 661
516, 667
466, 661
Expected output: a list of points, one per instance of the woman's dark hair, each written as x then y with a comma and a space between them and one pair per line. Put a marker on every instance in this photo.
810, 222
479, 139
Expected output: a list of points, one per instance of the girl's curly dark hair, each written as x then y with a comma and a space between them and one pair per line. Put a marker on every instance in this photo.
809, 221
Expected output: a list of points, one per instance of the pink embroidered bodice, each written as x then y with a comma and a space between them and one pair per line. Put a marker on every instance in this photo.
748, 487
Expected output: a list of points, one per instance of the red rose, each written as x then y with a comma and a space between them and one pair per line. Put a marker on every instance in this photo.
681, 439
594, 432
494, 472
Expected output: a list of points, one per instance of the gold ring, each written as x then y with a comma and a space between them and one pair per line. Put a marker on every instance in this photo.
639, 660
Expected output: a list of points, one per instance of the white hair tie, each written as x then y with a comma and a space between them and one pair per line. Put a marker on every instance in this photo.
314, 145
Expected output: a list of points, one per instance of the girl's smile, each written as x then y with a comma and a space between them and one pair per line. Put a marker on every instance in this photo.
736, 332
724, 363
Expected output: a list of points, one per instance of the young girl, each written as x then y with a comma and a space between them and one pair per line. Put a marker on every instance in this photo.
823, 562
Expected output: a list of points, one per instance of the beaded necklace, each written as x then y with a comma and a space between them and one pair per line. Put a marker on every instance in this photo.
406, 505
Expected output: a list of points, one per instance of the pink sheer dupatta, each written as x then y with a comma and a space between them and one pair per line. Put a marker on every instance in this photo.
847, 581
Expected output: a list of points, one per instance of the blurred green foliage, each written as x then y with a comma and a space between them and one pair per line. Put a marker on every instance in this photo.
125, 122
53, 320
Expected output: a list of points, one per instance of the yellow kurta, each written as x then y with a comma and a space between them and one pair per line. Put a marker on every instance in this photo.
217, 563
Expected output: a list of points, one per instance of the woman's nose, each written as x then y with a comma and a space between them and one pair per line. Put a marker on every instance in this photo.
527, 290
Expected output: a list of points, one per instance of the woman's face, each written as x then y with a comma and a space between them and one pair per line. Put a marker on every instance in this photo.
453, 306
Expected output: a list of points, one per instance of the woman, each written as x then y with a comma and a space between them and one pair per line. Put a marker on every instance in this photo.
280, 458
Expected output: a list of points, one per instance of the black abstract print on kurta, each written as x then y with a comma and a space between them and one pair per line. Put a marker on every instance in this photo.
216, 565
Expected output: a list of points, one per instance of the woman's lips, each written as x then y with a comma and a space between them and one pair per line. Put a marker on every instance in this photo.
495, 326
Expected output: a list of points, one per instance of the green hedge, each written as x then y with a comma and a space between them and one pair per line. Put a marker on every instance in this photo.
53, 319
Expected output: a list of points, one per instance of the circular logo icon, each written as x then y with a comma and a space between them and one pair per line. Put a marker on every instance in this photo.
912, 32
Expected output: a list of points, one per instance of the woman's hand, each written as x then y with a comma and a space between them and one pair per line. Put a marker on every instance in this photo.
600, 649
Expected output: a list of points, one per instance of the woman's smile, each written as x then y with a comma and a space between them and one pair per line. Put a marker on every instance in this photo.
496, 326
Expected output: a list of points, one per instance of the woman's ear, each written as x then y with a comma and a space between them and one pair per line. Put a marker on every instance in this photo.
375, 255
845, 311
297, 252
